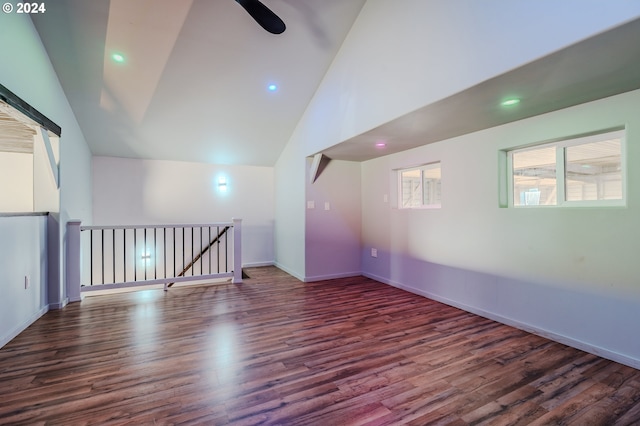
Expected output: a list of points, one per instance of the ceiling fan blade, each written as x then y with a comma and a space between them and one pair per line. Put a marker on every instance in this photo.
263, 16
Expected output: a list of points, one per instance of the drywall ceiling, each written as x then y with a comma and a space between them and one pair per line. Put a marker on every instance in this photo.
16, 132
193, 85
604, 65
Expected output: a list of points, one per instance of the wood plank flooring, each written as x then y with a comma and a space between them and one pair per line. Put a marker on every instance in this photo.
276, 351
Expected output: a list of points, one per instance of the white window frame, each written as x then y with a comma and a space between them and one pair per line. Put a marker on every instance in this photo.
421, 168
561, 146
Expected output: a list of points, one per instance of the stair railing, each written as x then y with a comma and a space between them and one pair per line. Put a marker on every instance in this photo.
216, 239
105, 257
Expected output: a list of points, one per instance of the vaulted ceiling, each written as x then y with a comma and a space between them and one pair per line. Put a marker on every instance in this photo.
194, 82
604, 65
193, 85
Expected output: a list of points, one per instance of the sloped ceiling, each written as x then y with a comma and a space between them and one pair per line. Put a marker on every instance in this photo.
16, 133
193, 85
604, 65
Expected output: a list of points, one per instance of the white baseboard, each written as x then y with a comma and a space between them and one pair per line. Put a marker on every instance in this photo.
22, 327
565, 340
332, 276
61, 304
289, 271
258, 264
307, 279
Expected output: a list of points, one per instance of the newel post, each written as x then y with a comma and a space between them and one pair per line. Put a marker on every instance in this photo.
237, 251
73, 261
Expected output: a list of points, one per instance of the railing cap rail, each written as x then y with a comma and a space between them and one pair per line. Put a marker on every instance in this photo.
170, 225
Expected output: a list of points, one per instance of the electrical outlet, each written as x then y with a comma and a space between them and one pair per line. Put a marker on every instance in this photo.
374, 252
27, 282
327, 206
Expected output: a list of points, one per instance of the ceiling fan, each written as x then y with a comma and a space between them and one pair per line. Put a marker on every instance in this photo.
263, 16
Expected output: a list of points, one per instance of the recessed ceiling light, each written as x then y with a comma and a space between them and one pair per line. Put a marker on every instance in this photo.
510, 102
272, 87
381, 144
117, 57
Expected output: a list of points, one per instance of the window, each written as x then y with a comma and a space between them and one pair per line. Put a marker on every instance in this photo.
420, 186
534, 177
585, 171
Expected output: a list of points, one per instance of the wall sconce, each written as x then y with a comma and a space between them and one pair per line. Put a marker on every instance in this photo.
146, 257
222, 184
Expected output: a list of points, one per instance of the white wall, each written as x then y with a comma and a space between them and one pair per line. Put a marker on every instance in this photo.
26, 71
333, 228
398, 59
290, 187
140, 192
27, 183
24, 256
569, 273
16, 182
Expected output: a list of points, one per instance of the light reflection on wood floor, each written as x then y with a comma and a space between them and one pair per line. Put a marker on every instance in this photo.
276, 351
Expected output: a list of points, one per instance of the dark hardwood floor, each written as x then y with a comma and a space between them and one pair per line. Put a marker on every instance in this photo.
276, 351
